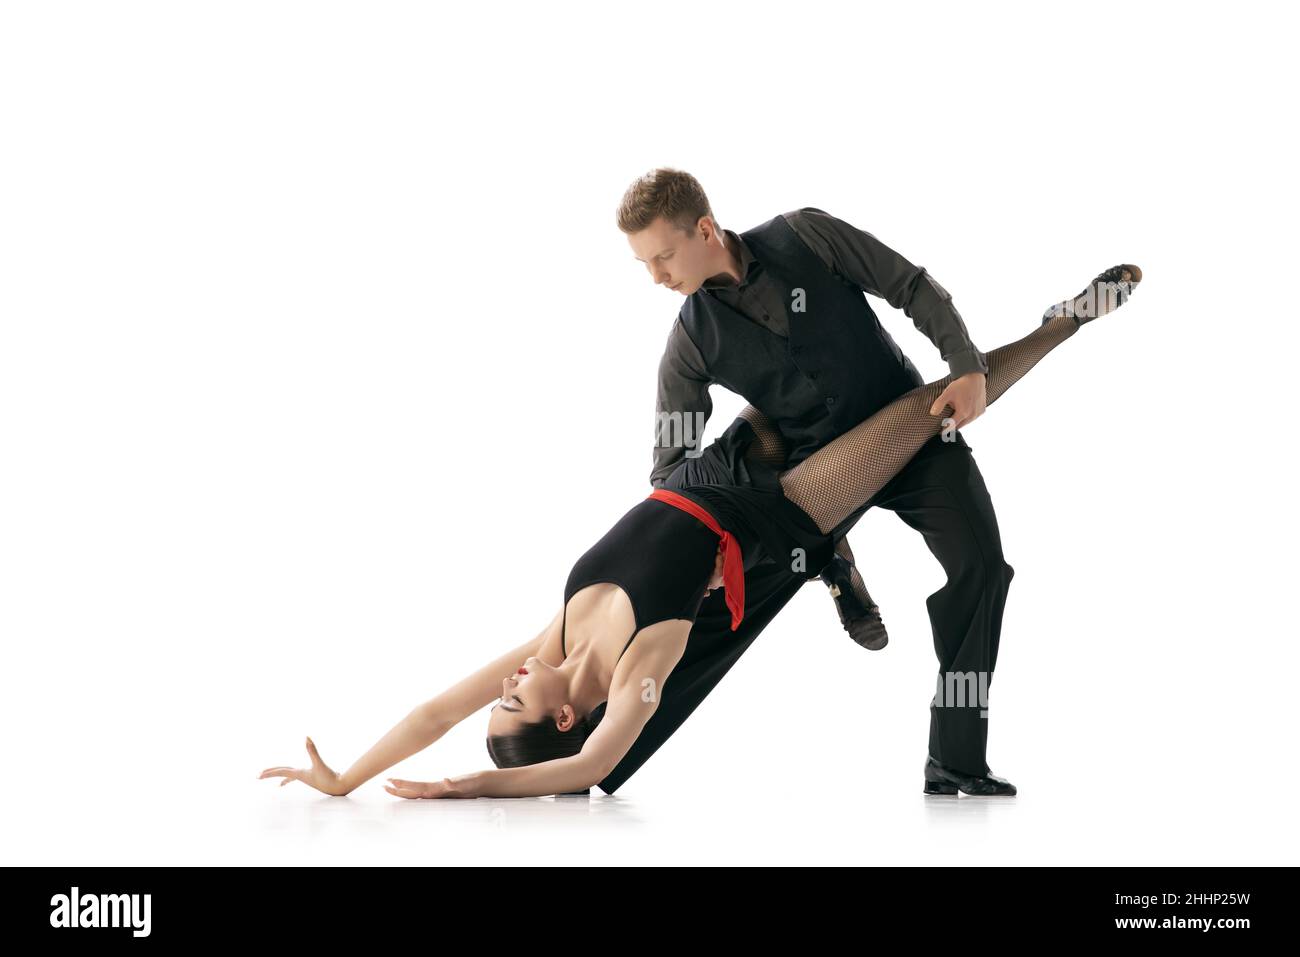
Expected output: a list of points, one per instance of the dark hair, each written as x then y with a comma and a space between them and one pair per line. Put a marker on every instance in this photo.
671, 193
542, 741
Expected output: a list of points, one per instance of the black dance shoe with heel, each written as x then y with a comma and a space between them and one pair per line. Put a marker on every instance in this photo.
861, 620
941, 780
1106, 293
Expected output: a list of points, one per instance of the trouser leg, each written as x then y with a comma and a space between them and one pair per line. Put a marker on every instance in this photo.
942, 494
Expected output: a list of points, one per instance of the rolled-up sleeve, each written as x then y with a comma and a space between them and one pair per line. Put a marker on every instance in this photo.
862, 259
683, 404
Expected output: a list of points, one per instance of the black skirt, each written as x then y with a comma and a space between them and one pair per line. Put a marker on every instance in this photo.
746, 499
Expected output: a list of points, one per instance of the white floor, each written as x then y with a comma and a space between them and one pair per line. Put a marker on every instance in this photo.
820, 771
1121, 817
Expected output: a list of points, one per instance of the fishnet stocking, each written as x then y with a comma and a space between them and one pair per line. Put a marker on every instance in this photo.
839, 477
859, 586
769, 446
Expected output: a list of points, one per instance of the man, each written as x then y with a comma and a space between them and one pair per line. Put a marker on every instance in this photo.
777, 315
753, 293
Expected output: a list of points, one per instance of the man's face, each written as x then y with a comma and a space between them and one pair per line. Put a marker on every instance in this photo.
677, 260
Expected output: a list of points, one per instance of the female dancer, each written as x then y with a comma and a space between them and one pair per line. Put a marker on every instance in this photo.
575, 698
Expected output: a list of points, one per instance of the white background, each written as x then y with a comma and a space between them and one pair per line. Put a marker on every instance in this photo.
323, 360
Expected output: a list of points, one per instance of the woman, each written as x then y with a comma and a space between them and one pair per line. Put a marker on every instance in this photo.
575, 698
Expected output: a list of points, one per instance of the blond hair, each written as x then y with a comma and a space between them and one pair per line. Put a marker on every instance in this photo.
675, 195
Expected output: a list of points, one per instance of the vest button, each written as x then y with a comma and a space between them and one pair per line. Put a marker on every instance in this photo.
812, 375
830, 400
795, 350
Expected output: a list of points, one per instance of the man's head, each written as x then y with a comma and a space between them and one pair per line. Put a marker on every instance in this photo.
672, 230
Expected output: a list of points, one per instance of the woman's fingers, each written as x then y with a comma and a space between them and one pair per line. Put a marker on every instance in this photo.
422, 789
295, 774
412, 789
403, 791
289, 774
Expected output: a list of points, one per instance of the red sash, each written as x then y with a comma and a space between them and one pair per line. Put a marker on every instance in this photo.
733, 566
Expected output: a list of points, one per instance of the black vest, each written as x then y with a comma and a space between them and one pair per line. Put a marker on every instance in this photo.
838, 366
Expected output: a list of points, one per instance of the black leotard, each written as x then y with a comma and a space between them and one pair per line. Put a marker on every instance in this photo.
659, 555
663, 557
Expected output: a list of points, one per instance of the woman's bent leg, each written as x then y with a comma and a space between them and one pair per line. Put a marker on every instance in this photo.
855, 576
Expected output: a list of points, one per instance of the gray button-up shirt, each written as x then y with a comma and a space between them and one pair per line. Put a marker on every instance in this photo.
851, 253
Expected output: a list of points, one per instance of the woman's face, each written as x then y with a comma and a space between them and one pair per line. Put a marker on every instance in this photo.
537, 690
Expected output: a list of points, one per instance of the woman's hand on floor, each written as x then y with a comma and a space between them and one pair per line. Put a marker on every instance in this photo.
425, 789
319, 775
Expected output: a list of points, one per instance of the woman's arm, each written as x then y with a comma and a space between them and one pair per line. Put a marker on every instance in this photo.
634, 700
532, 780
484, 686
431, 720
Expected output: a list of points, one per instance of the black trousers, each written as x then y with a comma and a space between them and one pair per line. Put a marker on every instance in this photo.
942, 495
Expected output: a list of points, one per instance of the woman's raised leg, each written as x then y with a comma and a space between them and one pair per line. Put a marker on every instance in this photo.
839, 477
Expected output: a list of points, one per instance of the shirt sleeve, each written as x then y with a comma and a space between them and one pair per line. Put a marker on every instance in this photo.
873, 267
683, 404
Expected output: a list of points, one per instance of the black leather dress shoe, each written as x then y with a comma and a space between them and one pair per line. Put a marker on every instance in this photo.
941, 780
861, 620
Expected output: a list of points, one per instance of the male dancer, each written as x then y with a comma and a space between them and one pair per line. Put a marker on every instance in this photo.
755, 294
778, 316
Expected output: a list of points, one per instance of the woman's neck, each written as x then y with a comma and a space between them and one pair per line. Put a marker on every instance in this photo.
589, 678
